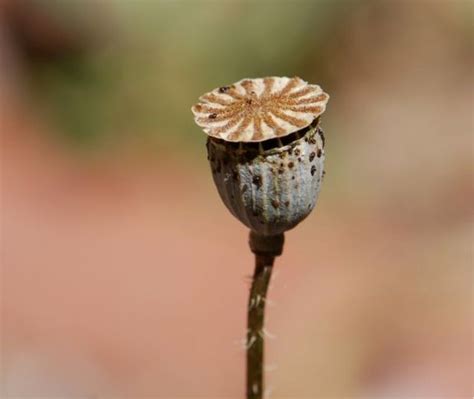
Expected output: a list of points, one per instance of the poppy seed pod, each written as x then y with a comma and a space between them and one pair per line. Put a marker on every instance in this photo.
266, 149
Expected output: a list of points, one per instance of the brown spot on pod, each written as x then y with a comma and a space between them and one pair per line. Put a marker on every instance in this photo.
311, 156
313, 170
287, 203
291, 164
212, 116
275, 203
244, 188
235, 175
257, 180
323, 139
297, 151
319, 152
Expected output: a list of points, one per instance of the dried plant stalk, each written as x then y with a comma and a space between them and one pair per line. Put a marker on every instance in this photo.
265, 248
255, 323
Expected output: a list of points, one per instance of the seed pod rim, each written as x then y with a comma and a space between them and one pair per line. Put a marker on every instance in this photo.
255, 110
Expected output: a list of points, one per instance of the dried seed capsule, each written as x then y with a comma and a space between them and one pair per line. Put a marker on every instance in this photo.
266, 149
268, 200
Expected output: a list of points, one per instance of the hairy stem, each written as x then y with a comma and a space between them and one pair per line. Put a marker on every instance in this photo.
255, 323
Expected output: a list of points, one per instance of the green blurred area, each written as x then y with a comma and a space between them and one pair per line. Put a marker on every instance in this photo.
155, 58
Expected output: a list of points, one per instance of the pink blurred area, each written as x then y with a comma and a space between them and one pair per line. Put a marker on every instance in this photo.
123, 275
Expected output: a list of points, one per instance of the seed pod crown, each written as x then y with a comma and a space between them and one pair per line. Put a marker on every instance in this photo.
254, 110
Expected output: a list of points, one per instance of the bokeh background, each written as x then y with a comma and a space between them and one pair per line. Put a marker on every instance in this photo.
124, 276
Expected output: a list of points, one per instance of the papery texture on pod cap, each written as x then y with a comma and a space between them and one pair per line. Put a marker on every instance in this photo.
270, 187
254, 110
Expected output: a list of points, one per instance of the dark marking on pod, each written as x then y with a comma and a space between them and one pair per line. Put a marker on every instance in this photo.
311, 156
323, 139
244, 188
297, 151
291, 164
287, 203
257, 180
275, 203
212, 116
235, 175
319, 152
313, 170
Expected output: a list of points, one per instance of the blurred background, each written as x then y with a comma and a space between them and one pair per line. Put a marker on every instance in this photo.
124, 276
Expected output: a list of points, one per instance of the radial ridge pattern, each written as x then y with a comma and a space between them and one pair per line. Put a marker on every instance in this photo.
259, 109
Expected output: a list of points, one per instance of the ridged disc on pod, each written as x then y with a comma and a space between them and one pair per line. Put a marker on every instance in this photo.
270, 186
254, 110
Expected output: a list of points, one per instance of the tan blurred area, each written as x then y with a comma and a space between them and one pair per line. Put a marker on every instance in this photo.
124, 276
